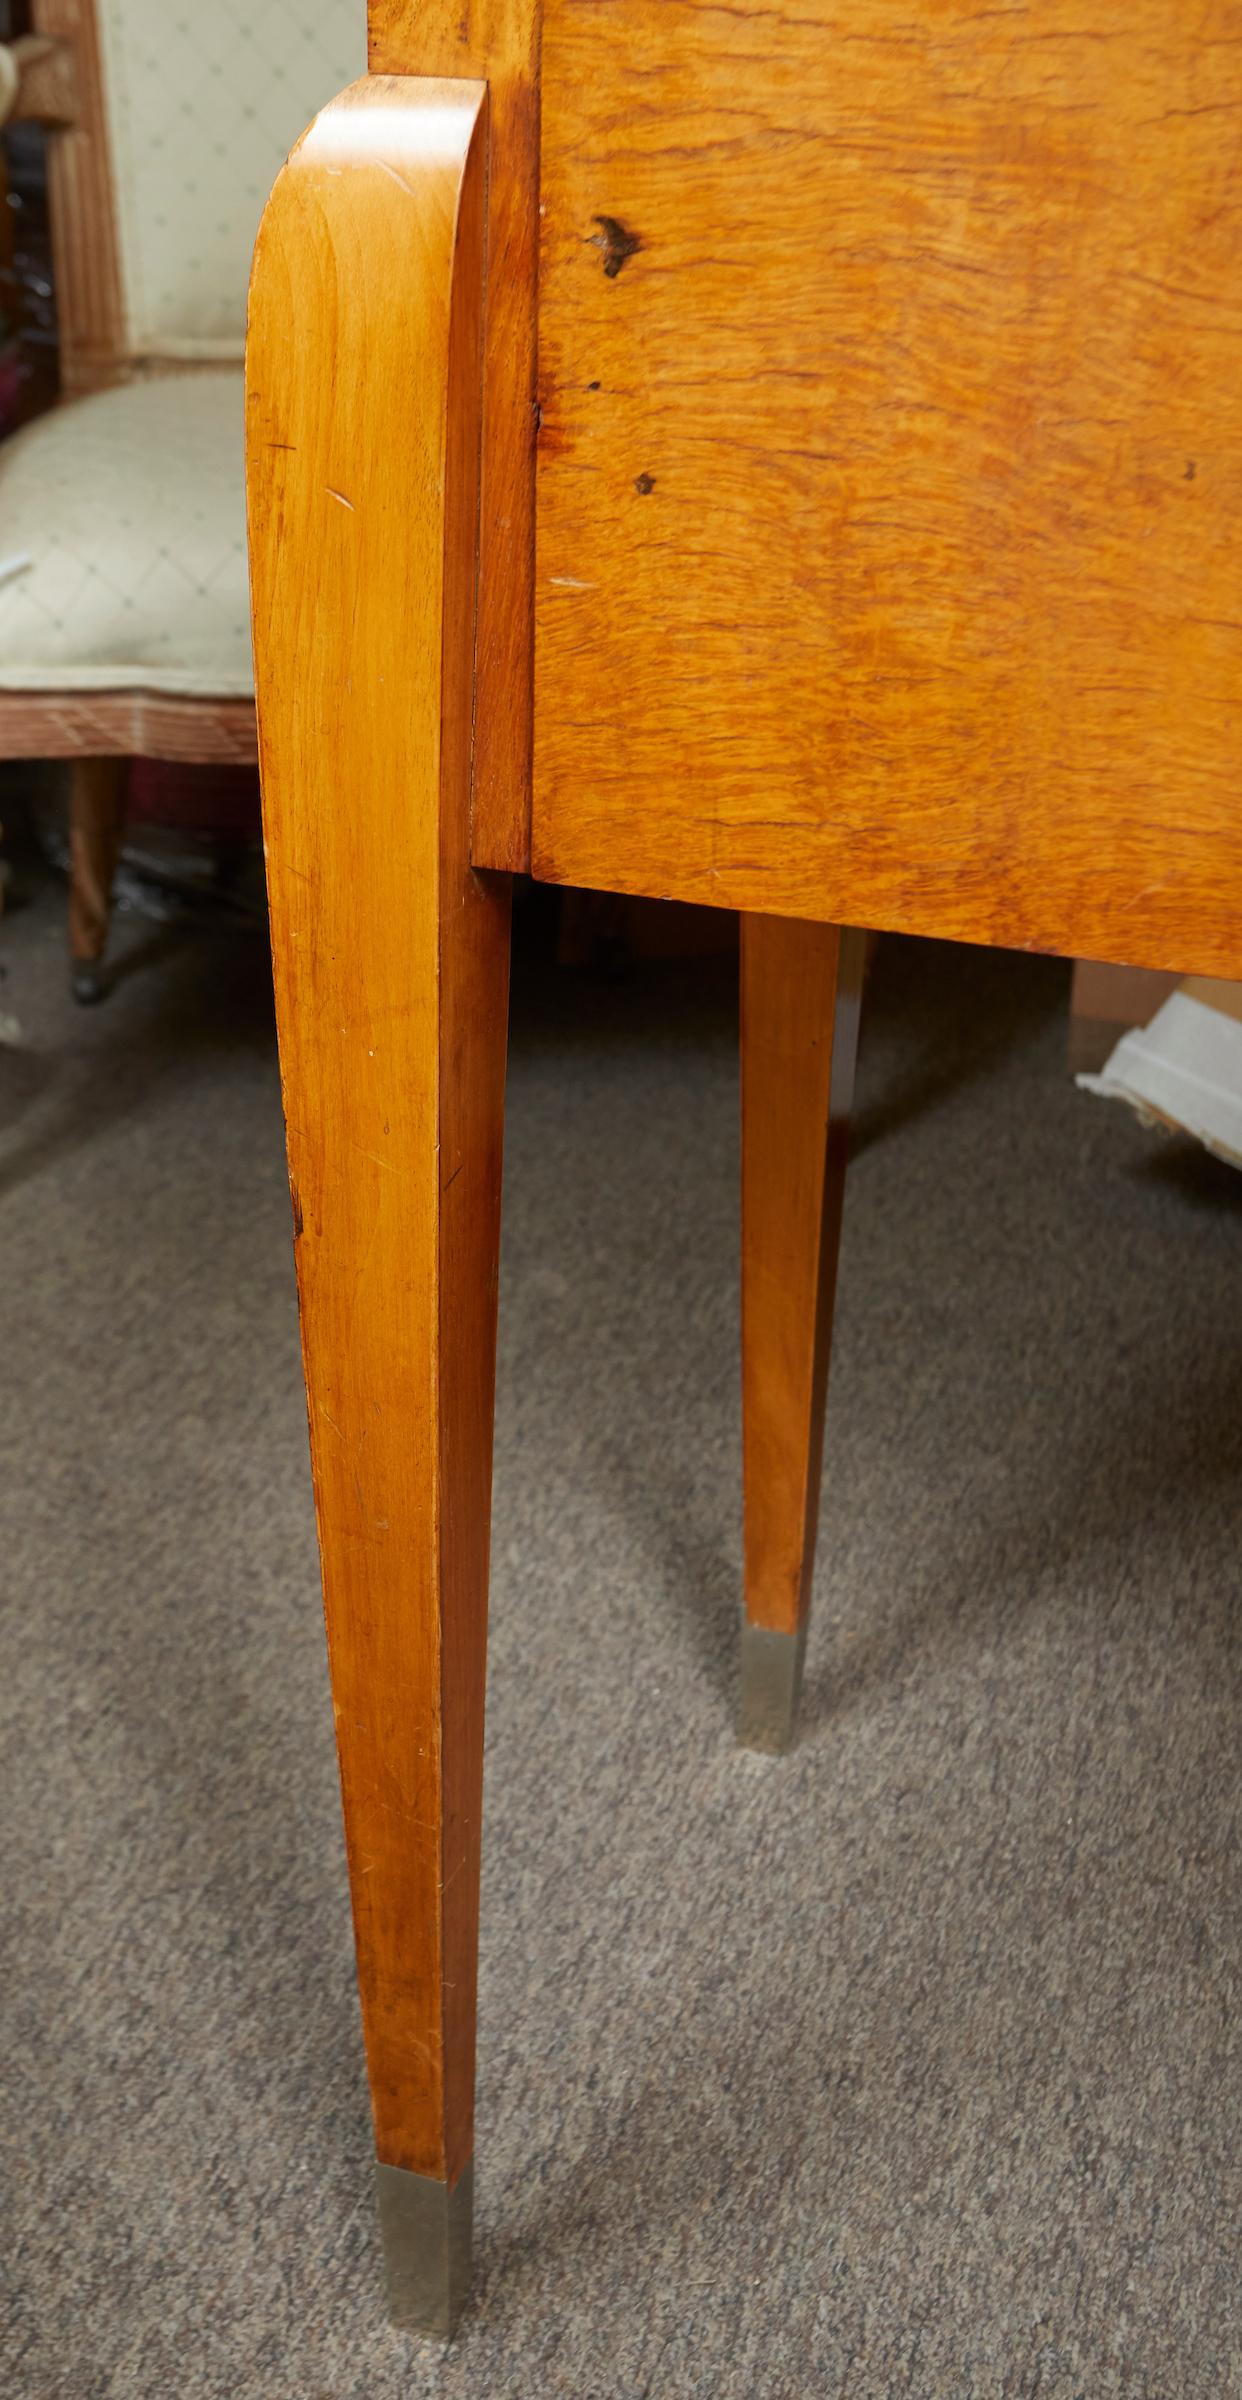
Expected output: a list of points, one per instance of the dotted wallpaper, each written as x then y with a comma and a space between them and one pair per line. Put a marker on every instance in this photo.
204, 103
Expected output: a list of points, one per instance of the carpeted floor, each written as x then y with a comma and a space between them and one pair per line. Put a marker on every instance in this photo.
907, 2065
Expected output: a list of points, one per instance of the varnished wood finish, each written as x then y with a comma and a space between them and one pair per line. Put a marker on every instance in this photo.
497, 40
890, 491
129, 725
96, 803
391, 982
801, 985
81, 206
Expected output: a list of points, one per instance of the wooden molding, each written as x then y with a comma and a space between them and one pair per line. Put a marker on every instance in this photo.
187, 732
47, 84
82, 209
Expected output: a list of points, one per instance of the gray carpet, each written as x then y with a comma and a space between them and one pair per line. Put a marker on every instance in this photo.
907, 2065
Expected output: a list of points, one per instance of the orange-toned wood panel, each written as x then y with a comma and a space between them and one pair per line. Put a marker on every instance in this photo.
890, 486
497, 40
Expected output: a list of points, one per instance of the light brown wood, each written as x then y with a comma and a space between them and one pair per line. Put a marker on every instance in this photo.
82, 209
129, 725
497, 40
890, 486
801, 987
390, 955
47, 86
96, 803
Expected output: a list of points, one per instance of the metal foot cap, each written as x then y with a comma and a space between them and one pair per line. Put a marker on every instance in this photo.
426, 2228
771, 1687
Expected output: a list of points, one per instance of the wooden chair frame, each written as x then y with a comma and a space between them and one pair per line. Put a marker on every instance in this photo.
98, 730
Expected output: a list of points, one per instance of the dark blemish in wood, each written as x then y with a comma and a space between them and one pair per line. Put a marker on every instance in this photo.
1189, 475
644, 484
592, 387
616, 243
297, 1212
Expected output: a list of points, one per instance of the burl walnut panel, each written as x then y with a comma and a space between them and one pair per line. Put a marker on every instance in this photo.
889, 479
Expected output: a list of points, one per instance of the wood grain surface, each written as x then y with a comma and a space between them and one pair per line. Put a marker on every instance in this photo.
801, 988
391, 962
96, 811
90, 316
189, 732
890, 483
47, 81
499, 41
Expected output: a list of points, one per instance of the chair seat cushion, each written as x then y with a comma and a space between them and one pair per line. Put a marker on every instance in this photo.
123, 543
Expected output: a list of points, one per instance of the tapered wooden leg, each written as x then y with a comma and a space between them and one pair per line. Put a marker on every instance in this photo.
391, 963
801, 987
96, 807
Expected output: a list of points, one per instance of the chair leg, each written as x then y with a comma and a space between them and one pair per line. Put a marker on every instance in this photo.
391, 975
96, 808
801, 987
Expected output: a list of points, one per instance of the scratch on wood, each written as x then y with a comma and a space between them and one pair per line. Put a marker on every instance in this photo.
335, 495
396, 176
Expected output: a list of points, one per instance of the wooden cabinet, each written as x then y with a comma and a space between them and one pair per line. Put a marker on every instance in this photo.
784, 459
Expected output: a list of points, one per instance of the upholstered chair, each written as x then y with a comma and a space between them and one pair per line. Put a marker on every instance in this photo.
124, 620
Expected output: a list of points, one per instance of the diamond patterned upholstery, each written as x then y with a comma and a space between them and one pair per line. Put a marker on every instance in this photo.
122, 522
123, 543
203, 105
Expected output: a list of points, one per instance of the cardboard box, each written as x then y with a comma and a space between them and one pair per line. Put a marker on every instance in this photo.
1183, 1072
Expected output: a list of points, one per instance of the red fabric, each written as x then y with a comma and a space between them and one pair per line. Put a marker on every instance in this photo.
211, 800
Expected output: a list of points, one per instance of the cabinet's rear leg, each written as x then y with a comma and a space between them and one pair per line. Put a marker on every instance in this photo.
801, 985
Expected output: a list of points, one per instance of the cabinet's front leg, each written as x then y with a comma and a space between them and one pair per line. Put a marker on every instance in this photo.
391, 967
801, 988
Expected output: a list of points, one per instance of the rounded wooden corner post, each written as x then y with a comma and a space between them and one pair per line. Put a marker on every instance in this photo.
391, 974
801, 987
